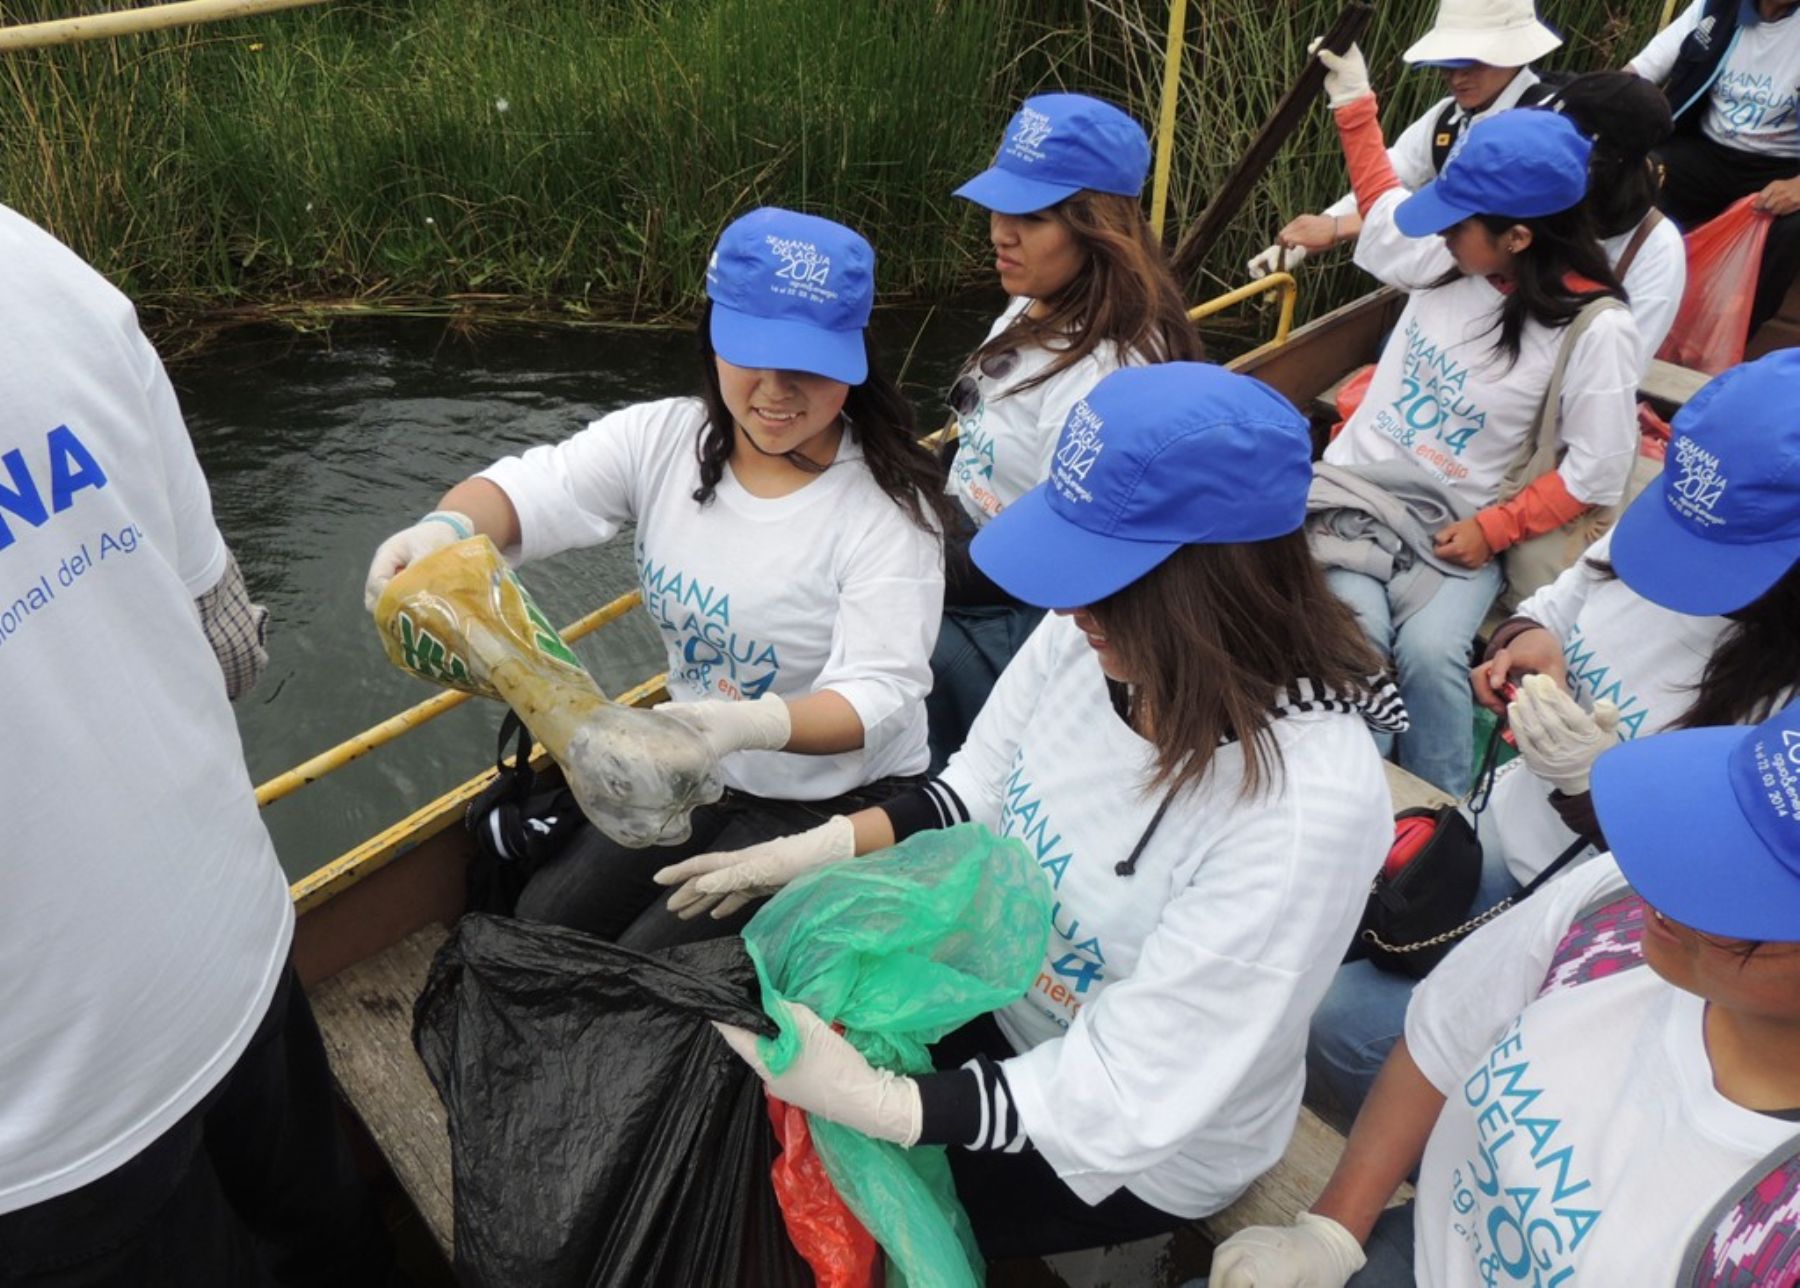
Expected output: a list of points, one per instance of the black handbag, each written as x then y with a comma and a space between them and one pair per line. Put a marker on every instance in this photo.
1420, 899
1419, 902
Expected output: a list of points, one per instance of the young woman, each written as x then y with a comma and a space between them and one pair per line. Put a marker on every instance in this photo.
786, 543
1090, 293
1574, 1117
1686, 616
1460, 384
1484, 49
1191, 726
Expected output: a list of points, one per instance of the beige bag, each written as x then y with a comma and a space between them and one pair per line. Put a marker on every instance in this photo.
1537, 561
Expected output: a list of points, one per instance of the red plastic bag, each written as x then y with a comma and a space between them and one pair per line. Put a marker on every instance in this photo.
1713, 324
1350, 396
834, 1243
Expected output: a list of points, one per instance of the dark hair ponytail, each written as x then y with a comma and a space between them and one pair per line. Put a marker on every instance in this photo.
1621, 189
1756, 663
874, 411
1562, 247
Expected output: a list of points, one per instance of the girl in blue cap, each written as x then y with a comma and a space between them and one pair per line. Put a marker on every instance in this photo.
1501, 261
1185, 746
1603, 1085
786, 540
1090, 293
1686, 615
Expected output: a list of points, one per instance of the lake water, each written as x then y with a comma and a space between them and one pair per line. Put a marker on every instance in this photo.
317, 449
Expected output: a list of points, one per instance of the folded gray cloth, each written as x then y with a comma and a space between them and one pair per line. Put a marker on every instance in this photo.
1380, 520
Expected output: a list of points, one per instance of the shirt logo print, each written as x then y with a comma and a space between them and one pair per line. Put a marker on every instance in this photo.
1698, 490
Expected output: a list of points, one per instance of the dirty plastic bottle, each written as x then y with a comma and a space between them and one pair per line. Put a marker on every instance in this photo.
461, 618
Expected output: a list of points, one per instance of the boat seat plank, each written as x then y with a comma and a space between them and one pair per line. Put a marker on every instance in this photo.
365, 1016
1412, 792
1669, 385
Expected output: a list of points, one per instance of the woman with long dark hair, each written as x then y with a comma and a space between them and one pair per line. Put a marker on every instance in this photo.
1090, 293
1500, 258
1686, 616
1192, 726
787, 545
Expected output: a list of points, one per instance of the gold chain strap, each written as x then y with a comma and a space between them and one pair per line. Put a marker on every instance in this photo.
1473, 924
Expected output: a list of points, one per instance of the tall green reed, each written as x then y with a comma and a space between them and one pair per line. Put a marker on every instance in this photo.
1240, 58
582, 153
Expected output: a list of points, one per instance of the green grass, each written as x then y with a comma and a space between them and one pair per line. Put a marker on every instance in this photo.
577, 156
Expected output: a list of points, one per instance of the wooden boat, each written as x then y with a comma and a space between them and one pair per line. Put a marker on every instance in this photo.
370, 921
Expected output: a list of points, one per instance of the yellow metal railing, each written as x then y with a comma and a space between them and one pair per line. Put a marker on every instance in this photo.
1283, 282
1165, 124
359, 745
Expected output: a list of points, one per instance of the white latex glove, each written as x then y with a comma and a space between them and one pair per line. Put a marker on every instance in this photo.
830, 1078
1346, 74
761, 725
727, 880
1314, 1252
1557, 739
1272, 261
436, 530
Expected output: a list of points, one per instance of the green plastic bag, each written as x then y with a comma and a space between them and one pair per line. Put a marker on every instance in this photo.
902, 947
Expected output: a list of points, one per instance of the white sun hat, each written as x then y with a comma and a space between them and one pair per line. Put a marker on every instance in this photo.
1500, 33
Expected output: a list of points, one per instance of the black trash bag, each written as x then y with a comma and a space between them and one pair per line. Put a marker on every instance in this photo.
601, 1133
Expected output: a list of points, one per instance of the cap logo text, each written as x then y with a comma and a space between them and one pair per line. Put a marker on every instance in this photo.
804, 269
1697, 489
1778, 774
1079, 448
1028, 135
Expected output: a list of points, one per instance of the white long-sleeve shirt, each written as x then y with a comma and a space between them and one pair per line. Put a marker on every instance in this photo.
832, 587
1161, 1046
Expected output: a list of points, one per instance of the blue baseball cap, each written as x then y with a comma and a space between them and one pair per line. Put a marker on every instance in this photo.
1518, 164
1056, 145
1153, 459
1722, 525
792, 292
1705, 824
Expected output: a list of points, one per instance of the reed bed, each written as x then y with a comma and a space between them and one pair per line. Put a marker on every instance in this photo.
1241, 57
579, 155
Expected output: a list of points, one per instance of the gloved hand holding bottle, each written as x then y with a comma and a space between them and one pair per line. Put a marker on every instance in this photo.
436, 530
1558, 741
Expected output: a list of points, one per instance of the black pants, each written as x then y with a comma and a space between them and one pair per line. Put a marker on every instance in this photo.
600, 887
253, 1187
1017, 1204
1701, 178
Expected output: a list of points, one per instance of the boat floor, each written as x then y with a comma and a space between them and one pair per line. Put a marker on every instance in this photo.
365, 1015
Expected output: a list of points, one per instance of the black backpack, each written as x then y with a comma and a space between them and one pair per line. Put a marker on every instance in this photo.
518, 822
